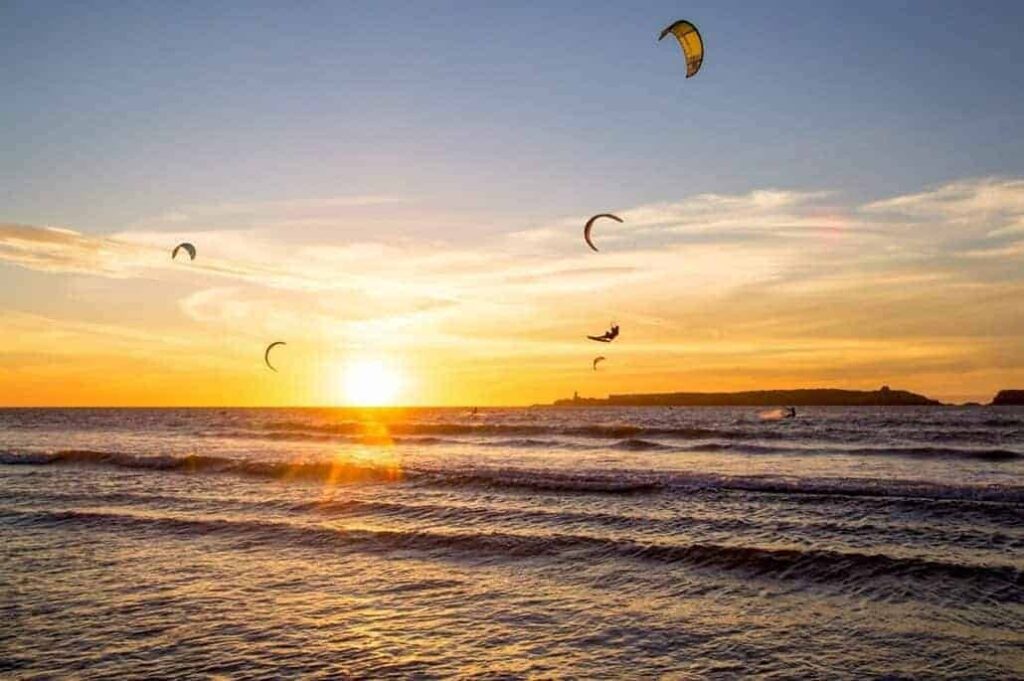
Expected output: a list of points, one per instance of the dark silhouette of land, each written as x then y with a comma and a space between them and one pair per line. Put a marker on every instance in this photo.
816, 397
1008, 397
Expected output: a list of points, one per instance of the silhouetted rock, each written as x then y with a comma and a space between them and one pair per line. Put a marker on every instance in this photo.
823, 397
1006, 397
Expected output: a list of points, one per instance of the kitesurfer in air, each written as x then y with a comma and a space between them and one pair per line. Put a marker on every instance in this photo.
608, 336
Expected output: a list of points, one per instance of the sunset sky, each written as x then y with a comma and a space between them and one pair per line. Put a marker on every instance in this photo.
836, 199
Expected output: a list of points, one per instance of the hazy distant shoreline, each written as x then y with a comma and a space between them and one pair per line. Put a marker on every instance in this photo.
813, 397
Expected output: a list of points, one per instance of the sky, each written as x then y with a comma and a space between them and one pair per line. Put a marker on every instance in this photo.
836, 199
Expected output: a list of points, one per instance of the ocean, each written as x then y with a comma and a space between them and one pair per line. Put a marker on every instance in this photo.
511, 543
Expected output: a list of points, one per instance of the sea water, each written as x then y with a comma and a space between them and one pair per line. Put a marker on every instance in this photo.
504, 543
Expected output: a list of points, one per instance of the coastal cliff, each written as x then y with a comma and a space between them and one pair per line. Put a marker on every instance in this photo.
885, 397
1008, 397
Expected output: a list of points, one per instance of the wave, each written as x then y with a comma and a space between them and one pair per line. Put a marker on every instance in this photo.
912, 452
364, 438
638, 445
740, 448
526, 443
386, 439
634, 444
997, 422
972, 523
628, 438
874, 575
970, 530
325, 471
596, 431
529, 479
632, 482
936, 452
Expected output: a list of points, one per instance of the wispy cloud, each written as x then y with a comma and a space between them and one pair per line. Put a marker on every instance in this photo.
776, 211
714, 218
737, 282
243, 214
52, 249
988, 207
986, 214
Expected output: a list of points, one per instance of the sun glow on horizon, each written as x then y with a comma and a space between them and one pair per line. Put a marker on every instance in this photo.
370, 383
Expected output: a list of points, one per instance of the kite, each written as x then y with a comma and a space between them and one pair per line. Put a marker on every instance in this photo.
590, 223
266, 354
690, 42
187, 247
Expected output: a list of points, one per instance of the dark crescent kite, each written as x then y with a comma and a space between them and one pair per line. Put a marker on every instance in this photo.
690, 42
266, 354
187, 247
590, 224
596, 360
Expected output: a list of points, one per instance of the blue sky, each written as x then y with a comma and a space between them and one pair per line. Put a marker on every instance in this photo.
114, 112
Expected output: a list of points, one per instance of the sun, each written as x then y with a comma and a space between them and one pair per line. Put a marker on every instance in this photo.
370, 383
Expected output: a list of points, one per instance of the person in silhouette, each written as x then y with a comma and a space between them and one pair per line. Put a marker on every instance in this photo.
608, 336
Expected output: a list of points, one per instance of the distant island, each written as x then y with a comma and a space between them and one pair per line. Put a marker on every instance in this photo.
1008, 397
817, 397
